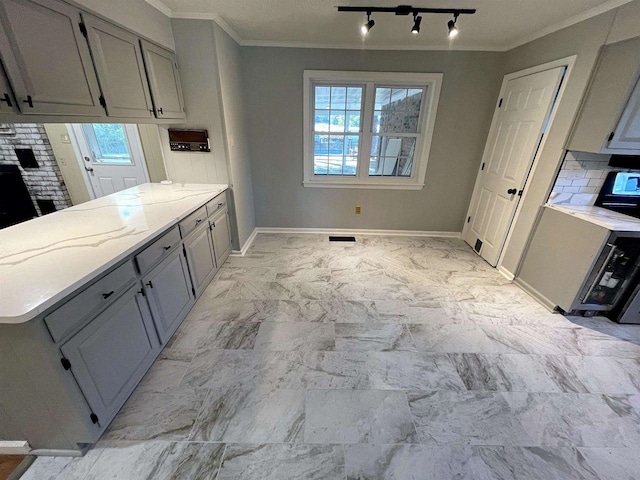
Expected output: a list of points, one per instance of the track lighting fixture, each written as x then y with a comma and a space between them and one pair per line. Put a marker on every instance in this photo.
367, 26
453, 30
417, 19
409, 10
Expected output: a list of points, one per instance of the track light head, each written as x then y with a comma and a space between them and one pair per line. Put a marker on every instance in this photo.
367, 26
417, 19
453, 30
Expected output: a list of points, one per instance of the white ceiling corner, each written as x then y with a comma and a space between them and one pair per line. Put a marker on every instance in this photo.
317, 24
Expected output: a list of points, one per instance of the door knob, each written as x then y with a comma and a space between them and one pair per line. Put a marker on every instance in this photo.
88, 169
512, 191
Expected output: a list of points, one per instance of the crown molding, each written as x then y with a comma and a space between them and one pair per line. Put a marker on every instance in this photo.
159, 5
592, 12
345, 46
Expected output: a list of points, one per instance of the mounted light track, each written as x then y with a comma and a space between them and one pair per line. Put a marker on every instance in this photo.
415, 11
417, 19
367, 26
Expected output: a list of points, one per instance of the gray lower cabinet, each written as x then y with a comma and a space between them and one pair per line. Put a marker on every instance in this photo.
169, 294
111, 354
221, 233
201, 258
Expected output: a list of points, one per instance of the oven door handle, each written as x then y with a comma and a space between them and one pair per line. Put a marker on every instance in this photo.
598, 277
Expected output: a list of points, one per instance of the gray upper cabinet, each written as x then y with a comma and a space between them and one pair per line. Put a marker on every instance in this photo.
169, 294
201, 258
8, 102
110, 355
118, 60
221, 233
609, 118
47, 58
627, 133
162, 71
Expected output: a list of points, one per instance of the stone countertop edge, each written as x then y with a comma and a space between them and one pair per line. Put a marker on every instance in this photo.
617, 222
47, 303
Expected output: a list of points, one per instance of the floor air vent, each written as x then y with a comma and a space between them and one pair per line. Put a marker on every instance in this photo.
342, 239
478, 245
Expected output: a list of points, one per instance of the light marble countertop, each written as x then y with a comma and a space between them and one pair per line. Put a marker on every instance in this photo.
608, 219
45, 259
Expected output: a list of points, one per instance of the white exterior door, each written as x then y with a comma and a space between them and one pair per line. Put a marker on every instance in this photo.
515, 135
111, 157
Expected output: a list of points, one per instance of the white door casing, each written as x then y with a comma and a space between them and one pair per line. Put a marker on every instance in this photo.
514, 137
107, 178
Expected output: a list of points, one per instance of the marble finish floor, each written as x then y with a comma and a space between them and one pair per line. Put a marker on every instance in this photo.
390, 358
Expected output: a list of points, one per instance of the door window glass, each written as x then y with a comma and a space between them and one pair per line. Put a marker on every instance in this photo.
108, 143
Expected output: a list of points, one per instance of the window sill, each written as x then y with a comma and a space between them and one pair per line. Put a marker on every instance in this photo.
371, 186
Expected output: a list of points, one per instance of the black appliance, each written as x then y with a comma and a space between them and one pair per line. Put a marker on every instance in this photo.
621, 193
185, 140
15, 203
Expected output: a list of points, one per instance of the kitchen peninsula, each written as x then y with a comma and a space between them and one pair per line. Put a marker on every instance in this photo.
88, 298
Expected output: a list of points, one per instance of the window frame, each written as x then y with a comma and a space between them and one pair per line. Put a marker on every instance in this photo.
371, 80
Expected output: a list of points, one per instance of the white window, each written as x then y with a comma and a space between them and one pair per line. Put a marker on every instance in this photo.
368, 129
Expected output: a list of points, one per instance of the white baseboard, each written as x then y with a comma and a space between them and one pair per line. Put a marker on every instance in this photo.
341, 231
17, 447
544, 301
246, 246
506, 273
356, 231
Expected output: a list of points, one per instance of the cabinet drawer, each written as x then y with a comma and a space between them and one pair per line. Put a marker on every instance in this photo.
71, 314
158, 249
192, 221
218, 203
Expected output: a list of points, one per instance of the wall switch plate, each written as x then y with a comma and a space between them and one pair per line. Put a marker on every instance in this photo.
358, 210
64, 138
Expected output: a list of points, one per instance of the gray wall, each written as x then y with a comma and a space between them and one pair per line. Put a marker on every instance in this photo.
272, 90
241, 191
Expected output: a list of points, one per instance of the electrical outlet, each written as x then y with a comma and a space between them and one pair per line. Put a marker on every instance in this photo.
62, 161
358, 210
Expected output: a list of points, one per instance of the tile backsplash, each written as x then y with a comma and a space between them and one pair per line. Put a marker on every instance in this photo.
580, 179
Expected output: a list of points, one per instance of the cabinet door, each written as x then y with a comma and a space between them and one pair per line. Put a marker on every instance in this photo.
47, 59
202, 263
118, 60
169, 294
112, 353
221, 236
627, 134
8, 102
162, 72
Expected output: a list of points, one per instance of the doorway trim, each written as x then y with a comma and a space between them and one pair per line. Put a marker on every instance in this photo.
567, 62
80, 144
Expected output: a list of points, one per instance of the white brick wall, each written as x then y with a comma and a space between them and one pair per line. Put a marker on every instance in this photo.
44, 183
580, 179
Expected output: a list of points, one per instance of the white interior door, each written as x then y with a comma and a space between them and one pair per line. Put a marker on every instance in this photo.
516, 132
111, 156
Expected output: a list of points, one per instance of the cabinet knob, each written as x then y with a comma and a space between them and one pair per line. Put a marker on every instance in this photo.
149, 284
107, 295
28, 101
160, 111
6, 98
167, 247
198, 221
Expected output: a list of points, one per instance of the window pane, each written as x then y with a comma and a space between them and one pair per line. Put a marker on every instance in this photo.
321, 121
337, 121
353, 121
323, 94
354, 98
392, 156
108, 142
320, 165
397, 110
338, 97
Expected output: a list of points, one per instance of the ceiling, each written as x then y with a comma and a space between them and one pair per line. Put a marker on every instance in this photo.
497, 25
